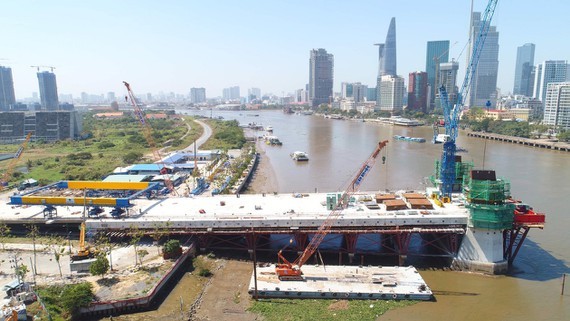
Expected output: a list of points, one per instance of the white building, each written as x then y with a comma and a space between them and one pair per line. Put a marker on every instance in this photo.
392, 91
547, 72
557, 105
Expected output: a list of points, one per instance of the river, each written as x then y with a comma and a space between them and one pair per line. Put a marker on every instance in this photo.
337, 148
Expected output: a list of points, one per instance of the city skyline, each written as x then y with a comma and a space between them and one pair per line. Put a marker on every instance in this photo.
179, 45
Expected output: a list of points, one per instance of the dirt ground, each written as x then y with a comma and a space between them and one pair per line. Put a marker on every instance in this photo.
226, 297
264, 179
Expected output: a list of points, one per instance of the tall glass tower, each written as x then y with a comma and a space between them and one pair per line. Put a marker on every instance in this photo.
48, 90
321, 71
437, 52
386, 58
483, 86
523, 70
7, 97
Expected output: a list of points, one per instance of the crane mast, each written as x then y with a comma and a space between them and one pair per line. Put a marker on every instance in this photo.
451, 112
292, 271
147, 131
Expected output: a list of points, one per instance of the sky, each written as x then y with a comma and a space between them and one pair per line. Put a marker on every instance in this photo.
172, 46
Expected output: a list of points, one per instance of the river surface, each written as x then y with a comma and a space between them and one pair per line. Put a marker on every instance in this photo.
337, 148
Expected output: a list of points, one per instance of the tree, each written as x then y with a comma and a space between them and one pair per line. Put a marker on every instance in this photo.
132, 157
57, 247
33, 232
172, 249
101, 265
4, 234
141, 254
73, 297
22, 271
104, 243
136, 235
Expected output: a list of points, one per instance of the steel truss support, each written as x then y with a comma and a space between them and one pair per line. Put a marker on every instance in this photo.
403, 242
513, 239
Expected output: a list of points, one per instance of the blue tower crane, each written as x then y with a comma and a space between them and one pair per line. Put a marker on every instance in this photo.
451, 112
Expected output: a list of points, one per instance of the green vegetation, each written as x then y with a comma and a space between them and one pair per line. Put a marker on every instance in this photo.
315, 310
172, 249
64, 301
100, 266
111, 143
203, 266
226, 135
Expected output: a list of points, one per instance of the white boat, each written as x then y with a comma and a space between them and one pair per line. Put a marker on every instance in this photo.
299, 156
269, 129
441, 138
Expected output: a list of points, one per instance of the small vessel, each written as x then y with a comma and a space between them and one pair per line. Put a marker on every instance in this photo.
410, 139
273, 140
269, 129
441, 138
299, 156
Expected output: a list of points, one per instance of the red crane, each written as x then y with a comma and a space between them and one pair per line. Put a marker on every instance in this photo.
291, 271
10, 169
147, 131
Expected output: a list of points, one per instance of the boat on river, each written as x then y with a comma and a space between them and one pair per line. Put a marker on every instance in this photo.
299, 156
410, 139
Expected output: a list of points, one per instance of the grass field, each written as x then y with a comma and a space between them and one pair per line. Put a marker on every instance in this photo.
111, 143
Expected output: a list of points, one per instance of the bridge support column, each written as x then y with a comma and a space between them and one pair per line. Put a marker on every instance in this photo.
350, 240
402, 241
204, 242
301, 241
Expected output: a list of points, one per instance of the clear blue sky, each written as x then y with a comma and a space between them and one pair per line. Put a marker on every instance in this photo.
175, 45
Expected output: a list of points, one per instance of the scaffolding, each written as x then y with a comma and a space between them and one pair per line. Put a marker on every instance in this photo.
462, 170
493, 217
486, 203
486, 192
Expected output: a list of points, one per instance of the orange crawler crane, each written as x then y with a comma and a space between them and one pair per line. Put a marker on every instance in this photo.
291, 271
147, 131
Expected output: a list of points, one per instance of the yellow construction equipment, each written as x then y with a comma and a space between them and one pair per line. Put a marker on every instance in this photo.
85, 251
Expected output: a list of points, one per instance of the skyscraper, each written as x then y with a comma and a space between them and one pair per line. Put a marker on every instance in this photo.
321, 73
557, 105
7, 97
523, 70
197, 95
448, 78
392, 92
386, 58
417, 91
547, 72
48, 90
483, 86
437, 52
253, 93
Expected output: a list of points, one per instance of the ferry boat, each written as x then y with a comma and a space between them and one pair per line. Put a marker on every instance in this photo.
410, 139
299, 156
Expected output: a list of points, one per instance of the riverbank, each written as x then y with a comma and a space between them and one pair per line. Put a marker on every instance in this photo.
541, 143
264, 179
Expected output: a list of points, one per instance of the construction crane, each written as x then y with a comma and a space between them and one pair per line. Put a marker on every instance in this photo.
147, 131
38, 67
85, 251
12, 165
291, 271
451, 112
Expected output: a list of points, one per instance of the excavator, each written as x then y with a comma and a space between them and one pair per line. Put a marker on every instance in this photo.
291, 271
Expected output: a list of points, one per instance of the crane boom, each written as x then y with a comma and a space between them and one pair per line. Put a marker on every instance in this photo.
147, 131
292, 271
10, 169
451, 111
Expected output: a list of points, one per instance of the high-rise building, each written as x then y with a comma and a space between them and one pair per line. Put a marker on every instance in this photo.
111, 96
392, 90
448, 78
359, 92
523, 70
437, 52
48, 90
557, 105
231, 93
417, 91
7, 96
197, 95
321, 74
548, 72
345, 89
387, 64
253, 93
483, 87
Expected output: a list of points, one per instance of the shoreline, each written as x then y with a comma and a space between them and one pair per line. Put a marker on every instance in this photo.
264, 179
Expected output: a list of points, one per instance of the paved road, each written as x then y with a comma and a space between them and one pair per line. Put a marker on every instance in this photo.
200, 141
